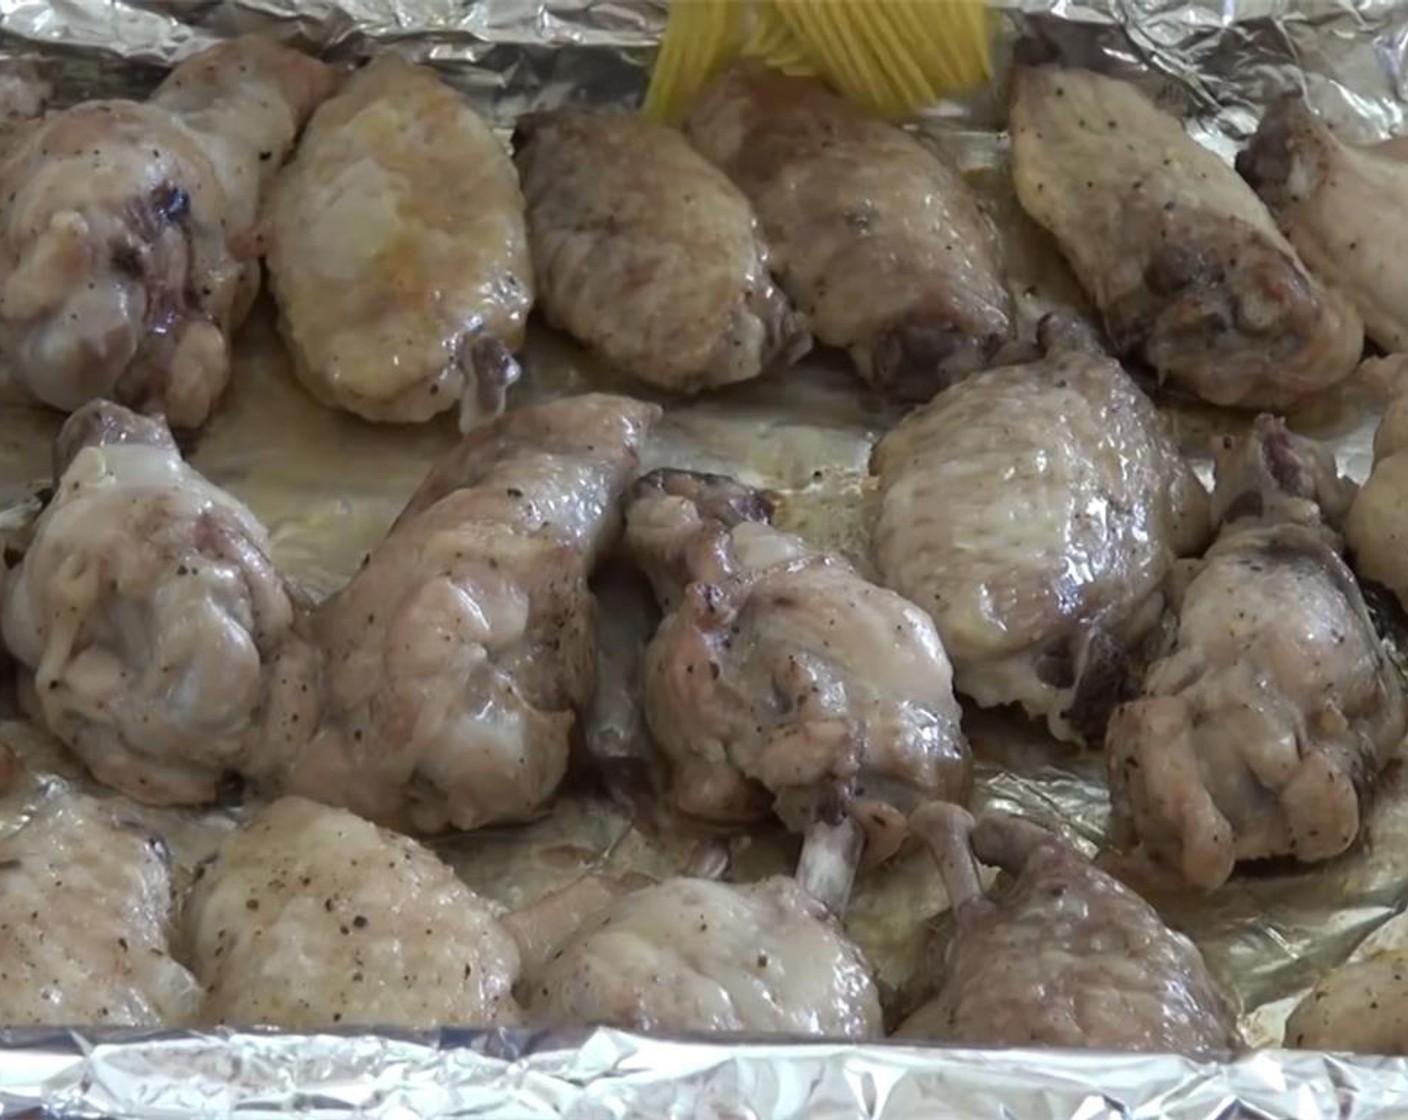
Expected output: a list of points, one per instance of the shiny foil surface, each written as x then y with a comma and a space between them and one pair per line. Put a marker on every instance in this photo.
328, 486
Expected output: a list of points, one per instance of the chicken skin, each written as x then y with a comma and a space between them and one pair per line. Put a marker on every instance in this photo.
693, 955
648, 254
1181, 257
1344, 208
1059, 955
780, 678
876, 239
398, 253
146, 613
309, 917
1376, 528
85, 912
127, 243
1034, 511
1360, 1007
1263, 730
457, 660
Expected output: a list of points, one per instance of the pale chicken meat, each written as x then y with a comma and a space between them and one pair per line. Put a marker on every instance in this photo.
1376, 529
1059, 953
146, 614
1183, 260
309, 917
86, 910
689, 954
877, 239
456, 662
398, 252
782, 680
649, 254
1034, 511
1344, 208
128, 241
1360, 1007
1263, 730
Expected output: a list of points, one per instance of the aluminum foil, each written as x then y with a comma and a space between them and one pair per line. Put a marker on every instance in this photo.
328, 486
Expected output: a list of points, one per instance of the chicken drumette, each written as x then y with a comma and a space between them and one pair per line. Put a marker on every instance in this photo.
647, 253
1263, 730
1060, 955
126, 244
1179, 254
398, 251
877, 240
1034, 510
780, 677
146, 614
85, 922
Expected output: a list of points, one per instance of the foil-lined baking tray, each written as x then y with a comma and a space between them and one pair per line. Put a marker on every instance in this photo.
328, 486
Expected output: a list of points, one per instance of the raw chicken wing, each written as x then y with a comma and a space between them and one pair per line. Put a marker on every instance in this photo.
876, 239
1376, 529
126, 245
1059, 955
1361, 1007
1034, 511
1178, 253
648, 254
309, 917
399, 256
85, 922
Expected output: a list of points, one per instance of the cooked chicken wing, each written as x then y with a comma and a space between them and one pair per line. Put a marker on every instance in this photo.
458, 658
1061, 954
780, 677
1182, 259
123, 263
693, 955
85, 909
398, 251
146, 613
648, 254
876, 239
1361, 1007
1344, 208
1263, 730
309, 917
1034, 511
1376, 528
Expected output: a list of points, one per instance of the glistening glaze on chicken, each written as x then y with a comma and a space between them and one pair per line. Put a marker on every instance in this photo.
1263, 730
877, 240
146, 614
85, 922
780, 677
455, 663
1178, 253
126, 247
309, 918
1059, 955
398, 252
1034, 511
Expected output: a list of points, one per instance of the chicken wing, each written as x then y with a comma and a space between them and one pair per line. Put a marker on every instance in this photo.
1264, 729
1034, 511
693, 955
876, 239
146, 613
458, 658
1360, 1007
309, 917
1182, 259
1376, 528
648, 254
1061, 955
123, 263
85, 910
780, 677
1344, 208
398, 252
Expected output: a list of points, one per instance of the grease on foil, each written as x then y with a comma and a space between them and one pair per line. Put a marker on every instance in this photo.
328, 486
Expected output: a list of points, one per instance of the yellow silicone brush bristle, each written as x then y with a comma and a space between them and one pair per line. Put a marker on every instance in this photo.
894, 57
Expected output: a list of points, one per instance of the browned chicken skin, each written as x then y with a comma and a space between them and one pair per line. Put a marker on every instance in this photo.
1061, 955
876, 239
123, 263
